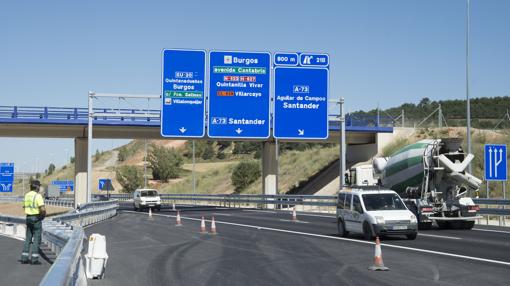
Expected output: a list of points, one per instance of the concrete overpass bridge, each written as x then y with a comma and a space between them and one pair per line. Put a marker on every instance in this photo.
364, 135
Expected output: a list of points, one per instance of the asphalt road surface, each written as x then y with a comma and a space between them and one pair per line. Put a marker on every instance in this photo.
13, 272
255, 247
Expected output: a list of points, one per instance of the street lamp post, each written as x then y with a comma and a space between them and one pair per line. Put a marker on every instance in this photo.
468, 103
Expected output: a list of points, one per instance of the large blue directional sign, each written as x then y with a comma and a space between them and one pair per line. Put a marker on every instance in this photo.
301, 98
183, 108
495, 162
239, 94
6, 177
64, 185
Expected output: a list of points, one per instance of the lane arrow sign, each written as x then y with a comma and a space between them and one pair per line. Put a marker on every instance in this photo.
301, 132
239, 130
182, 129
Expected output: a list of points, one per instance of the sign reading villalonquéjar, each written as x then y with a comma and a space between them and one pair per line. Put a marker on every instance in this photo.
183, 93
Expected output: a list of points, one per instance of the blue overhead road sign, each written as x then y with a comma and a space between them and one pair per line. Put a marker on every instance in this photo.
6, 177
301, 102
239, 94
495, 162
183, 107
64, 185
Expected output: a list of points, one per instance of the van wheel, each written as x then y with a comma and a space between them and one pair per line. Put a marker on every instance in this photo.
367, 232
443, 224
341, 228
468, 224
136, 209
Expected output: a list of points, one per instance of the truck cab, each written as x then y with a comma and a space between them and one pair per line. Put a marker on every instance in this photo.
374, 212
146, 198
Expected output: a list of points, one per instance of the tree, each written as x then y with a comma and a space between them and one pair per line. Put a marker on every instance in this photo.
208, 152
123, 154
244, 174
51, 169
71, 160
129, 177
246, 147
164, 162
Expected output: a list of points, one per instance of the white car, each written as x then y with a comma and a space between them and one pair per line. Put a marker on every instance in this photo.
374, 213
146, 198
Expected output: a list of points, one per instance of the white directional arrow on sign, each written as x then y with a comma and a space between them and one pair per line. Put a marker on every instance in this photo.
239, 130
182, 129
301, 132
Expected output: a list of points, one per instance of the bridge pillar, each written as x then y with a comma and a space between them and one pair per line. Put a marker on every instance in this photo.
80, 171
269, 170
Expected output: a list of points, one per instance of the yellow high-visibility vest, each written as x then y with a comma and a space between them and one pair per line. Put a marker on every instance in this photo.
32, 202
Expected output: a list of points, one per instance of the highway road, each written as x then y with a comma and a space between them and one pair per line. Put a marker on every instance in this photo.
255, 247
15, 273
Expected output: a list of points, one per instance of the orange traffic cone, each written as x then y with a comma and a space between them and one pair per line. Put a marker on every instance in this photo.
202, 226
378, 262
213, 226
294, 215
178, 219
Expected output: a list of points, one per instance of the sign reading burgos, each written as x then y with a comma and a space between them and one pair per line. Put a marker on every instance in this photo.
239, 94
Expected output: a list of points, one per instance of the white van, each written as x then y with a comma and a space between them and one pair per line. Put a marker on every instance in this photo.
374, 213
146, 198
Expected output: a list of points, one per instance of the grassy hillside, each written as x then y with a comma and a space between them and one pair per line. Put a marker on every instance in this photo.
214, 165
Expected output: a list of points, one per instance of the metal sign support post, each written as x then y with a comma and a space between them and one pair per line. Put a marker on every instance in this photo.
194, 179
91, 115
504, 198
342, 142
487, 196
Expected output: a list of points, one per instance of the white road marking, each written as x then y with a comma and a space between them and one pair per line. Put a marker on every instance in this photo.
257, 211
347, 239
289, 220
220, 214
439, 236
289, 212
491, 230
328, 216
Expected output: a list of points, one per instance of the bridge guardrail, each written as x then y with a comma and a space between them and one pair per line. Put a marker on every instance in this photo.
49, 114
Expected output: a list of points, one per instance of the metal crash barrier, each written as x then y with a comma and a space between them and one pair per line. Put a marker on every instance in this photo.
64, 235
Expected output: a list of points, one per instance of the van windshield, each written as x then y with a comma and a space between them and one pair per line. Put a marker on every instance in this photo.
383, 202
149, 194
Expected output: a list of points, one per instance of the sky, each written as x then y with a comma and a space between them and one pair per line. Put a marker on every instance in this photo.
384, 52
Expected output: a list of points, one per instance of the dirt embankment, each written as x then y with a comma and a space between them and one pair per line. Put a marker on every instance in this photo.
16, 209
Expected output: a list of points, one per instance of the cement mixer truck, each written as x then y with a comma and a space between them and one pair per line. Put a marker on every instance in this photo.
430, 176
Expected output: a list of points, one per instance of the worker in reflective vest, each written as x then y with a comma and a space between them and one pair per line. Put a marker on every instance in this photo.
35, 211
